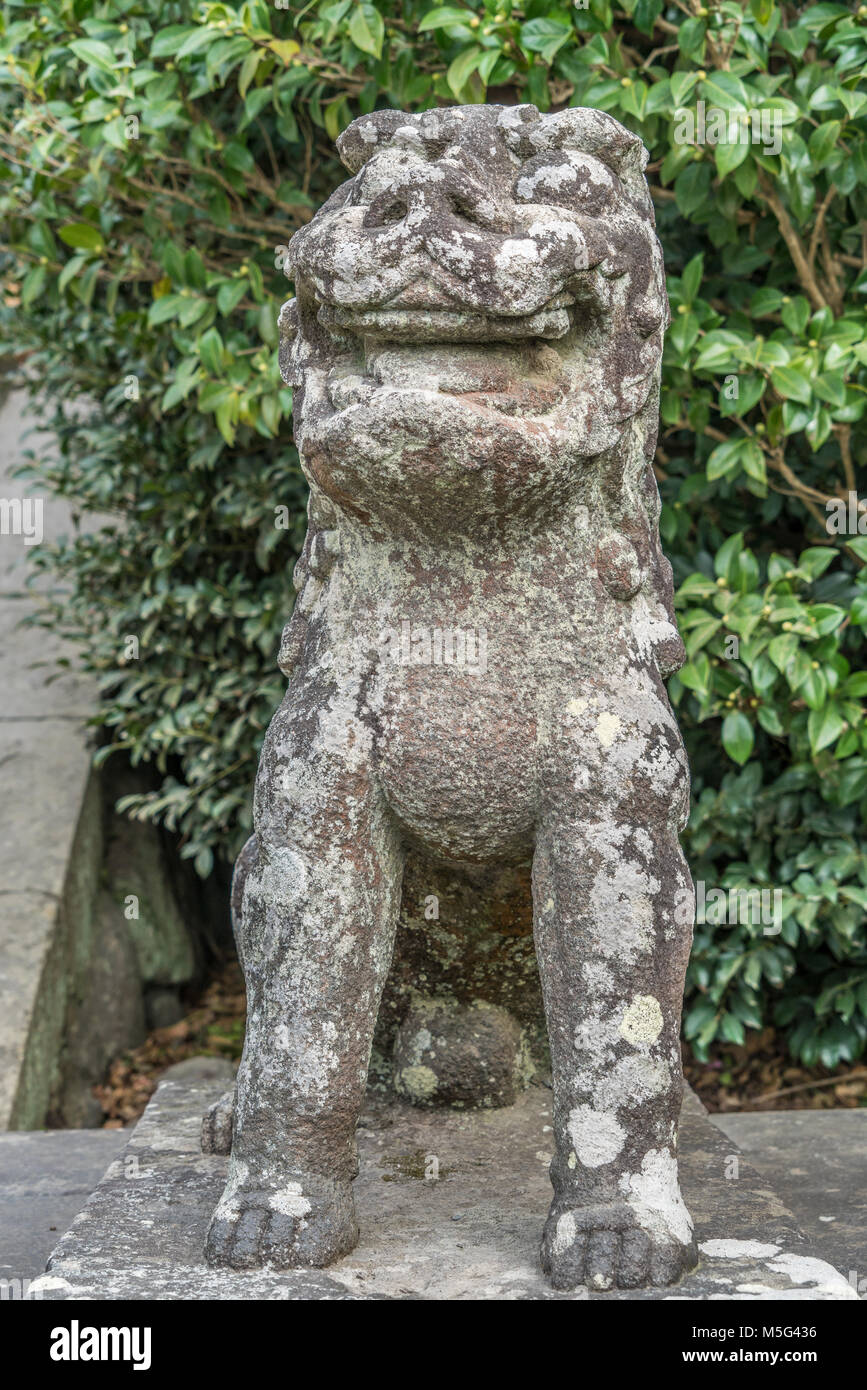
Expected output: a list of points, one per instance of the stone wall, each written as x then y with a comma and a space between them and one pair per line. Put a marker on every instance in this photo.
119, 951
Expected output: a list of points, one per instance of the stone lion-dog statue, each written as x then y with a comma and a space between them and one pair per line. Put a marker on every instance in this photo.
475, 344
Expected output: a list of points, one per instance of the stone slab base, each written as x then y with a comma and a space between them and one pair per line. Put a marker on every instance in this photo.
45, 1179
451, 1206
817, 1162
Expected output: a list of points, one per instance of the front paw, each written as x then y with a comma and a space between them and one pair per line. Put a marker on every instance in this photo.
604, 1247
310, 1222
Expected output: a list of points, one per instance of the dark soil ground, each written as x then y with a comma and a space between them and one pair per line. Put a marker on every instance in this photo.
760, 1075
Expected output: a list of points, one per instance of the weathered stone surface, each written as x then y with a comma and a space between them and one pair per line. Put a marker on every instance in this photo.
453, 1054
817, 1161
45, 1180
204, 1068
483, 627
217, 1125
450, 1204
71, 989
18, 434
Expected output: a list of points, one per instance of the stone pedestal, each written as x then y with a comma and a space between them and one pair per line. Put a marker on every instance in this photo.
451, 1206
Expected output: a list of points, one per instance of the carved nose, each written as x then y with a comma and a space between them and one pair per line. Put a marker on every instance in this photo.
439, 192
387, 207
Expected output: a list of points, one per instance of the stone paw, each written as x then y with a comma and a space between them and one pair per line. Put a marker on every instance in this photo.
217, 1125
309, 1222
603, 1247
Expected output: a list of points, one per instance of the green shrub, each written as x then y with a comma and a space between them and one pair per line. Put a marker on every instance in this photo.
157, 158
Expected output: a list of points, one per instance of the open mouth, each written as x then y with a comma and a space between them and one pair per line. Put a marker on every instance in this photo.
415, 323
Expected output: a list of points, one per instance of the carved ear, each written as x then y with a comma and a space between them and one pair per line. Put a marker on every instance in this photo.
579, 128
594, 132
367, 134
599, 134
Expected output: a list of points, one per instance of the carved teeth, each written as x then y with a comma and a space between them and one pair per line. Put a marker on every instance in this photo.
428, 325
292, 644
323, 552
300, 573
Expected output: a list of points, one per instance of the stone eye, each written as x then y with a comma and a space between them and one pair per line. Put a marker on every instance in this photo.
567, 179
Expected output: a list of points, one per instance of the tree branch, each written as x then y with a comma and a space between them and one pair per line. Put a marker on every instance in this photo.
793, 242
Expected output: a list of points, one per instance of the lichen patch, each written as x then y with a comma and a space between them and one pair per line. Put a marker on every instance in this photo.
597, 1136
642, 1021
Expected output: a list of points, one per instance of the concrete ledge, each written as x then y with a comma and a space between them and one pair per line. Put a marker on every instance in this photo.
44, 1180
817, 1161
46, 944
45, 862
470, 1233
80, 979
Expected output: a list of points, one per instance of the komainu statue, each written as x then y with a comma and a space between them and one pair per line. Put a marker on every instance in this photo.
477, 654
